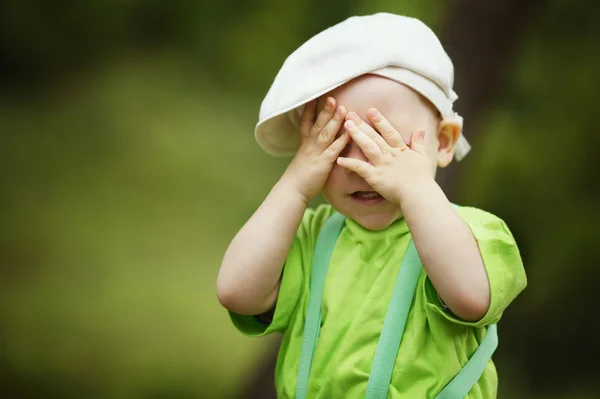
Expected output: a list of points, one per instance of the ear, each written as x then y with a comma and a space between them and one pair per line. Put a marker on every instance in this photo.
448, 134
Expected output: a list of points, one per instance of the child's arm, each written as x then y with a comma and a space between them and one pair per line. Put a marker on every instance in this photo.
248, 281
448, 250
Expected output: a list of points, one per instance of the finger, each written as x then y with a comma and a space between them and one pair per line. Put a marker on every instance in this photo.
335, 148
368, 130
324, 116
307, 119
417, 141
389, 134
361, 168
364, 142
333, 126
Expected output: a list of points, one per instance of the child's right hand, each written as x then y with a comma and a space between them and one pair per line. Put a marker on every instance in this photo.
318, 150
250, 273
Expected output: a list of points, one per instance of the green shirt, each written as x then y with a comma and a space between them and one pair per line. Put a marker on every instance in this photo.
360, 280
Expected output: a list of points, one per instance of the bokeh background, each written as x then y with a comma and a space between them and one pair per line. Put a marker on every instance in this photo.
128, 162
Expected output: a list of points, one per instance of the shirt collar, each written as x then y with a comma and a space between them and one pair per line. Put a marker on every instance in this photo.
397, 229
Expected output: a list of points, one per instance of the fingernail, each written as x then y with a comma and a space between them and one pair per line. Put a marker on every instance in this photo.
351, 115
340, 109
350, 124
372, 112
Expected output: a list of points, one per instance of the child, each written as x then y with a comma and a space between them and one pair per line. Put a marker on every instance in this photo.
366, 107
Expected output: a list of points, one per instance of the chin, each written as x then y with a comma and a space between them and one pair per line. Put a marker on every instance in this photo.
373, 217
376, 221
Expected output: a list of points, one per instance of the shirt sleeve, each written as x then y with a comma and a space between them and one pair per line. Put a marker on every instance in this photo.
502, 262
294, 279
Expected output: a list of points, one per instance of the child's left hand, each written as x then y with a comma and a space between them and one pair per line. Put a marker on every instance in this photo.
394, 169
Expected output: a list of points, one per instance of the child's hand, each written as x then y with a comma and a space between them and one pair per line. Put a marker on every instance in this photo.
394, 168
318, 151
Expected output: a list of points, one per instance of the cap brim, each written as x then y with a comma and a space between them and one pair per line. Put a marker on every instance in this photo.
278, 135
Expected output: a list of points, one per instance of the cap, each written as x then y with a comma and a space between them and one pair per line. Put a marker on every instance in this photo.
400, 48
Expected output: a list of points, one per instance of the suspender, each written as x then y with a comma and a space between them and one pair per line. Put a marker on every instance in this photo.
323, 250
393, 325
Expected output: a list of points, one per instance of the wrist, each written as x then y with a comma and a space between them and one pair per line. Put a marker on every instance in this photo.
288, 186
420, 192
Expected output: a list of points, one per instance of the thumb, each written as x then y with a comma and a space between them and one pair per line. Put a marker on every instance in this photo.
417, 141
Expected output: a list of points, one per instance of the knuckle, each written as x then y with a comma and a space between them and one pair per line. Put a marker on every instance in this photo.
331, 154
338, 118
337, 145
323, 135
325, 113
388, 131
374, 136
379, 123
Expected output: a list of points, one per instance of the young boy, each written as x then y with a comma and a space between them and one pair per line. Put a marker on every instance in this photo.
366, 107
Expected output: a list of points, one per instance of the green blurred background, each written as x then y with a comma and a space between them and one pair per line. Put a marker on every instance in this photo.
128, 163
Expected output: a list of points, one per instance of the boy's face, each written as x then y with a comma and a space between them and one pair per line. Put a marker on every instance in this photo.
407, 111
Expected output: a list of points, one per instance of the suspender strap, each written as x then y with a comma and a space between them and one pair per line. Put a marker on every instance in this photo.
393, 325
323, 250
462, 383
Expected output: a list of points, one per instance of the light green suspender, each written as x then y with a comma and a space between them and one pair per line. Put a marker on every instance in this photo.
393, 325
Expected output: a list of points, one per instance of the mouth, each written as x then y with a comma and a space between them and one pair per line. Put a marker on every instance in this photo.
367, 197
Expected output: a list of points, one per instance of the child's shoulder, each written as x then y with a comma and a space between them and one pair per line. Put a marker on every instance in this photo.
475, 212
311, 225
314, 218
481, 219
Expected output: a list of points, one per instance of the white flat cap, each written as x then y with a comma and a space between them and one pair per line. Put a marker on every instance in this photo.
400, 48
